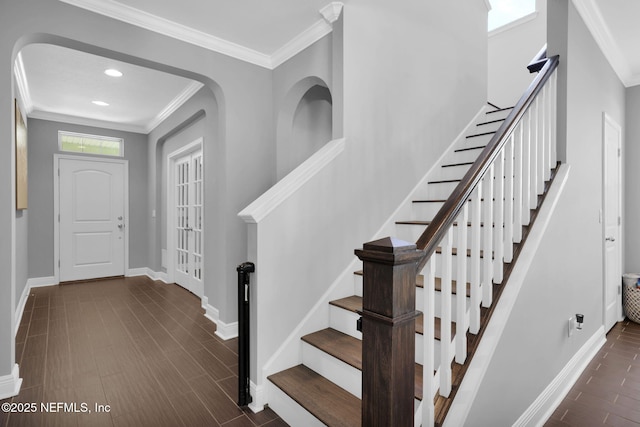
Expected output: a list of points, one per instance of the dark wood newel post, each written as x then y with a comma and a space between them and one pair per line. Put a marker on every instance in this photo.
388, 332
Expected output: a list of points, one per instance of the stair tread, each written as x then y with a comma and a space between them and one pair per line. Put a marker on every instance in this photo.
419, 283
489, 122
349, 349
419, 222
326, 401
476, 135
499, 110
444, 181
451, 165
469, 148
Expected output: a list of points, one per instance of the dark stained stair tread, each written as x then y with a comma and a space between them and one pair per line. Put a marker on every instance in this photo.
349, 349
469, 148
355, 301
475, 135
490, 122
499, 110
451, 165
326, 401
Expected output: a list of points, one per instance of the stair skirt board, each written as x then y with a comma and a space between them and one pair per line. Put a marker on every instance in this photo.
473, 378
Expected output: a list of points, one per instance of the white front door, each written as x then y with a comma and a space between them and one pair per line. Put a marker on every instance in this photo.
612, 137
188, 206
92, 209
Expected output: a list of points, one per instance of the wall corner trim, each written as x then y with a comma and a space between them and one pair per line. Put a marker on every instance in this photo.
287, 186
542, 408
10, 384
225, 331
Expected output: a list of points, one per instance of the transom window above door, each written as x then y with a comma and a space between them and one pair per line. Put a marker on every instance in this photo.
90, 144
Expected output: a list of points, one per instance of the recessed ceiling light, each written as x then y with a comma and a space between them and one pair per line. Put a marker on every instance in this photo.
100, 103
112, 72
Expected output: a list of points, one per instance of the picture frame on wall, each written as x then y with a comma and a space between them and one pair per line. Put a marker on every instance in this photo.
21, 159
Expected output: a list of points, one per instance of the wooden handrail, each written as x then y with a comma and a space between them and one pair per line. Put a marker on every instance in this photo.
435, 232
538, 61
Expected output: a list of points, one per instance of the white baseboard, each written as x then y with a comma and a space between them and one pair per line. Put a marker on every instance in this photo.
153, 275
542, 408
143, 271
225, 331
35, 282
258, 396
10, 384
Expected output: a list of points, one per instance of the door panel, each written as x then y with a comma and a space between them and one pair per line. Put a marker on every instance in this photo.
91, 207
611, 199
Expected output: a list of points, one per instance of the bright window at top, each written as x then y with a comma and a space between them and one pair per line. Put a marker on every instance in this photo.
90, 144
504, 12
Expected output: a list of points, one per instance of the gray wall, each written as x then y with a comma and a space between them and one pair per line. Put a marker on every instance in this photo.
632, 192
43, 144
566, 275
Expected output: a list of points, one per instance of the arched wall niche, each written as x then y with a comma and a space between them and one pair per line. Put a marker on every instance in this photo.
304, 123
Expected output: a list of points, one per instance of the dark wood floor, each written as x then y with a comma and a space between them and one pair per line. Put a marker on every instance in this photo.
144, 348
608, 391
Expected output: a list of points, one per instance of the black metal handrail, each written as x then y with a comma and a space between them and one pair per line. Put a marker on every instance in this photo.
244, 269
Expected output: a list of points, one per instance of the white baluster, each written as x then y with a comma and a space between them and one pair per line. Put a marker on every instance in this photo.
476, 220
517, 184
445, 313
508, 200
542, 133
428, 380
533, 194
554, 112
526, 167
487, 251
461, 286
547, 130
498, 215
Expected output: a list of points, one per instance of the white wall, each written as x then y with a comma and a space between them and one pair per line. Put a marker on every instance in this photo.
632, 192
510, 49
567, 272
414, 75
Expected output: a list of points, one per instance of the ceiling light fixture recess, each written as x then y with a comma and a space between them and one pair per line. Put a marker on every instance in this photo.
112, 72
100, 103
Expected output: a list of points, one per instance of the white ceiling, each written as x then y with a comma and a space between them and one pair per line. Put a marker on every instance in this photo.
60, 84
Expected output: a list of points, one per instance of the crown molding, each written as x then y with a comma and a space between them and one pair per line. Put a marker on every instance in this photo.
302, 41
592, 17
83, 121
332, 11
176, 103
23, 86
130, 15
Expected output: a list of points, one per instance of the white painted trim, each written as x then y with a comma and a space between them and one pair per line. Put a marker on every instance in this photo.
31, 283
258, 394
488, 5
547, 402
332, 11
473, 378
84, 121
176, 103
513, 24
23, 86
10, 384
139, 18
133, 272
225, 331
299, 43
595, 22
56, 206
158, 275
287, 186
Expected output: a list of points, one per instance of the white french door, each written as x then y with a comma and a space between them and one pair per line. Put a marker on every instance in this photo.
91, 208
187, 183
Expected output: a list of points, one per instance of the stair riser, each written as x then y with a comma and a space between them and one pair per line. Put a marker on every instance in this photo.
345, 322
441, 191
338, 372
437, 304
450, 172
424, 211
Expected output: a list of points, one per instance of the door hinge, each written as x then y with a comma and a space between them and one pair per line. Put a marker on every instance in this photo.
58, 263
619, 152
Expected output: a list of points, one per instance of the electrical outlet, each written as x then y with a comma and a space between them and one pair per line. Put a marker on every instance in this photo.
571, 326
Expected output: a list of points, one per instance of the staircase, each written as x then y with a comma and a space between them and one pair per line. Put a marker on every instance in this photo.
499, 173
